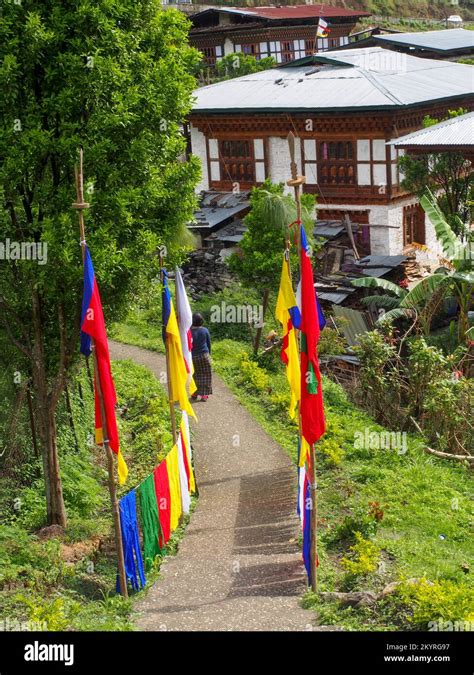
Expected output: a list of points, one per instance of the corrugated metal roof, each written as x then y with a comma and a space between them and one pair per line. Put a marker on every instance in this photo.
363, 79
354, 324
450, 133
291, 11
434, 40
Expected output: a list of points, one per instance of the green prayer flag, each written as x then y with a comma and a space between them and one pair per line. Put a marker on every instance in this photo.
149, 521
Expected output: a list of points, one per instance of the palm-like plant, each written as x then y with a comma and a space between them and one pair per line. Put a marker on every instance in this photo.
424, 298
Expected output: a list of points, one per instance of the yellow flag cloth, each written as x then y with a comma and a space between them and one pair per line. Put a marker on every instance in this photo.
187, 448
288, 315
172, 465
177, 367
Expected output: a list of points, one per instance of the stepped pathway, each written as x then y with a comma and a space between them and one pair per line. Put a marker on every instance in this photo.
239, 564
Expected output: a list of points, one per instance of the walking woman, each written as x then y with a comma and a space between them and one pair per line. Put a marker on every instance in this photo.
201, 358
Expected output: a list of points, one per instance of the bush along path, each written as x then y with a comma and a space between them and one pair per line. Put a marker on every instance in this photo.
239, 564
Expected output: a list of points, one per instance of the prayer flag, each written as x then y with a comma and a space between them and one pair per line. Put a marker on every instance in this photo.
131, 541
172, 464
149, 521
311, 404
163, 500
288, 314
177, 367
93, 328
185, 321
322, 30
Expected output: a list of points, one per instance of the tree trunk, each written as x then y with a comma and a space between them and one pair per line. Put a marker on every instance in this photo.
45, 416
45, 408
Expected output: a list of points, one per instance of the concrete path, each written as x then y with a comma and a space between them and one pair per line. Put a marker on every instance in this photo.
239, 566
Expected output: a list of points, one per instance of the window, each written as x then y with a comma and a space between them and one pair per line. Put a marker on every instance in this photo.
413, 225
372, 163
333, 42
212, 54
287, 51
336, 163
237, 161
252, 49
310, 47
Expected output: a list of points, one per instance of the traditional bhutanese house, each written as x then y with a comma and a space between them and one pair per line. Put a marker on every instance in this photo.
344, 109
449, 44
286, 33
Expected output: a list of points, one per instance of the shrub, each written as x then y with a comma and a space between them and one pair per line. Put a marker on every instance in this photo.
364, 559
436, 601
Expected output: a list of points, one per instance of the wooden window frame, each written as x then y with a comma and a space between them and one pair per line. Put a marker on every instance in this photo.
336, 163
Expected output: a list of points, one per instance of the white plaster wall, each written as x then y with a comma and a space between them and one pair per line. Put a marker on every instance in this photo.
199, 149
279, 160
228, 47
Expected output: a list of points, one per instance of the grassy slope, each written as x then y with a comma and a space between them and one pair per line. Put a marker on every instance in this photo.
425, 528
71, 585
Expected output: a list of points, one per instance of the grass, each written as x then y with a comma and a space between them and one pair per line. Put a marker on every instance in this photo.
423, 505
69, 583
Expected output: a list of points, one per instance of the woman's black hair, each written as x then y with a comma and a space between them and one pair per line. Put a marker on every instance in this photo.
198, 320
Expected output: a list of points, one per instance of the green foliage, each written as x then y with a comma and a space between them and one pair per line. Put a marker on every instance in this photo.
263, 243
439, 601
114, 78
331, 342
238, 64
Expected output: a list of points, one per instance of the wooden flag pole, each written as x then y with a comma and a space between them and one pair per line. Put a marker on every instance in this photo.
168, 379
296, 182
80, 205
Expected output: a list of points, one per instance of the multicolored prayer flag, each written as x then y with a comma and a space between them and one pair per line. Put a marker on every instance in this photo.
184, 316
322, 30
177, 372
93, 328
288, 314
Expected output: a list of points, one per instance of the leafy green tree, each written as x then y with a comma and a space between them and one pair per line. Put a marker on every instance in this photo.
262, 246
238, 64
112, 76
446, 172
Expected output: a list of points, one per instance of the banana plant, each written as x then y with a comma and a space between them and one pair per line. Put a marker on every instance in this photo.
424, 299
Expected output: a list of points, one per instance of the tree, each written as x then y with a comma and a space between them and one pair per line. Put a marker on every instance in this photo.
111, 76
262, 245
238, 64
447, 172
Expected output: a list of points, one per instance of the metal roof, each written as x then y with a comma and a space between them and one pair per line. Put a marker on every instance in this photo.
358, 79
355, 323
455, 132
217, 208
290, 11
449, 40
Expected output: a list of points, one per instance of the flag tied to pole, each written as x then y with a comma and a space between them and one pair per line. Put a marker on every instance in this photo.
288, 314
322, 30
311, 405
93, 328
178, 373
185, 321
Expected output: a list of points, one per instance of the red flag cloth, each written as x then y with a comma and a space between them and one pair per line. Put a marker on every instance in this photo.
93, 328
163, 499
311, 405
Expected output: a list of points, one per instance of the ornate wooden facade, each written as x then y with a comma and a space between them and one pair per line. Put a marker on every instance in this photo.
286, 33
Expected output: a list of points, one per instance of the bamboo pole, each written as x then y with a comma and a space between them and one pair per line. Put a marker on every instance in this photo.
296, 182
80, 205
168, 380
